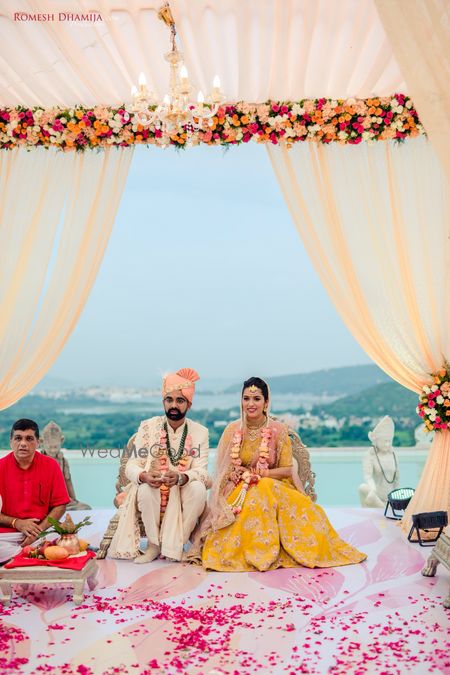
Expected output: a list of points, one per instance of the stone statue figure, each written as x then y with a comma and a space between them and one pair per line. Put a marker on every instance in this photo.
380, 468
423, 438
52, 440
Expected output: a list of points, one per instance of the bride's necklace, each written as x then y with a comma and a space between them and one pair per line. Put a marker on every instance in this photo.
382, 470
253, 432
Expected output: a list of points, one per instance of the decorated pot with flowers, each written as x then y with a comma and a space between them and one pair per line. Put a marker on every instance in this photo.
68, 532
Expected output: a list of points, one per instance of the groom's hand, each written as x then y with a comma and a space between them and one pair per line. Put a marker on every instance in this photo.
152, 478
170, 478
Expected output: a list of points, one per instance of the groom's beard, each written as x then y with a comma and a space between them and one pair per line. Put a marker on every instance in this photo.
175, 414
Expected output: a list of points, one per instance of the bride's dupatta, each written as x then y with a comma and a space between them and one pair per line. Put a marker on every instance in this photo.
219, 513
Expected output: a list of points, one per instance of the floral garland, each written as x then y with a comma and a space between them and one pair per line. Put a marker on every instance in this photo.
322, 120
252, 476
434, 402
184, 452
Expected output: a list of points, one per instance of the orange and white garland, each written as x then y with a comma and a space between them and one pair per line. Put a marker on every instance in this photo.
252, 475
164, 465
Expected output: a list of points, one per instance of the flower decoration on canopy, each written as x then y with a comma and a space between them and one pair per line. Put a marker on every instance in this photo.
350, 121
434, 401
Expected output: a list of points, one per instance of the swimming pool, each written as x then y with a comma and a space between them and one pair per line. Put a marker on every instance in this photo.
338, 474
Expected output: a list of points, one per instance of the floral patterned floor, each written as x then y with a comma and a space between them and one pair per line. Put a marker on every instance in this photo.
378, 617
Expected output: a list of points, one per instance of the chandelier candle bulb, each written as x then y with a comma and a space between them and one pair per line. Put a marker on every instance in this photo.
184, 74
200, 98
142, 82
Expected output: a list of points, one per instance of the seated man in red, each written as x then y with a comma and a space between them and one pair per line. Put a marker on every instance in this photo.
32, 488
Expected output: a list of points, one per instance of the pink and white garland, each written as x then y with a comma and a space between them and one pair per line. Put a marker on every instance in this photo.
253, 475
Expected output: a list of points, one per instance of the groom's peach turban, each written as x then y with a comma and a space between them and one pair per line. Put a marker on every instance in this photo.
183, 380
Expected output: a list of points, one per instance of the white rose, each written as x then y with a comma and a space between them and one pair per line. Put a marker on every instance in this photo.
434, 387
297, 109
409, 104
440, 400
427, 389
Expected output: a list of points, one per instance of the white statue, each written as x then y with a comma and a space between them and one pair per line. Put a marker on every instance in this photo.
380, 468
423, 438
52, 440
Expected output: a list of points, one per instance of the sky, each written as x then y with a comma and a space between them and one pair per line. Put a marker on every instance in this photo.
204, 269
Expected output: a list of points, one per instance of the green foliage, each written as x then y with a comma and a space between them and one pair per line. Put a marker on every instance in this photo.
389, 398
113, 427
58, 528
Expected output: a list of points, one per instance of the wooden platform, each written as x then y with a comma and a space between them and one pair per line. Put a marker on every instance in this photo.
50, 576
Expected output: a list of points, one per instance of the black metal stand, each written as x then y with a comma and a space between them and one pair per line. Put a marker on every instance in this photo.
435, 521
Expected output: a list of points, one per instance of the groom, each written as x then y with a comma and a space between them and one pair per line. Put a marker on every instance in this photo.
169, 480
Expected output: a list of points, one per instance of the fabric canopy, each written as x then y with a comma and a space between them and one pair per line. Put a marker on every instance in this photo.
375, 221
420, 35
260, 49
56, 215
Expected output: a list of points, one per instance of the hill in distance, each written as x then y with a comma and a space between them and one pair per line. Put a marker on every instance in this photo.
388, 398
336, 382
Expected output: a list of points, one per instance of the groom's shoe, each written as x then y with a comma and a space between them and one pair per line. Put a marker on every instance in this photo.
150, 554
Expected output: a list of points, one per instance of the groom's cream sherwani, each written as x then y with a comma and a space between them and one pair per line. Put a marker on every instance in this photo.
185, 503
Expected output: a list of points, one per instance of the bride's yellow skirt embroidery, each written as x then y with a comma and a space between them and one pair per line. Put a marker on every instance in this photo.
277, 527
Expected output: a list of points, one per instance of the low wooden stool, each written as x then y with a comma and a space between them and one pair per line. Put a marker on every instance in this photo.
50, 576
439, 554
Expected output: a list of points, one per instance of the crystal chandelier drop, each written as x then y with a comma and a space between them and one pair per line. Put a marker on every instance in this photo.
177, 112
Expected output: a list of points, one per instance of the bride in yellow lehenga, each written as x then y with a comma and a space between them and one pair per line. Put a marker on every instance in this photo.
257, 519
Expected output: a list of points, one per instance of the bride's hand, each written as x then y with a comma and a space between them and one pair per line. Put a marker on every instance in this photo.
236, 474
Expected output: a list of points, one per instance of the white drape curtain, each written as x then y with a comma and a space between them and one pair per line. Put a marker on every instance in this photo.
56, 215
280, 49
419, 31
375, 221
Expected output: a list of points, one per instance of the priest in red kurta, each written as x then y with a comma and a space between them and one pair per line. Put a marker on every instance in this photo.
32, 488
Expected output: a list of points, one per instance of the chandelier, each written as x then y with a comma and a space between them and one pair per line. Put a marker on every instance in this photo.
177, 112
